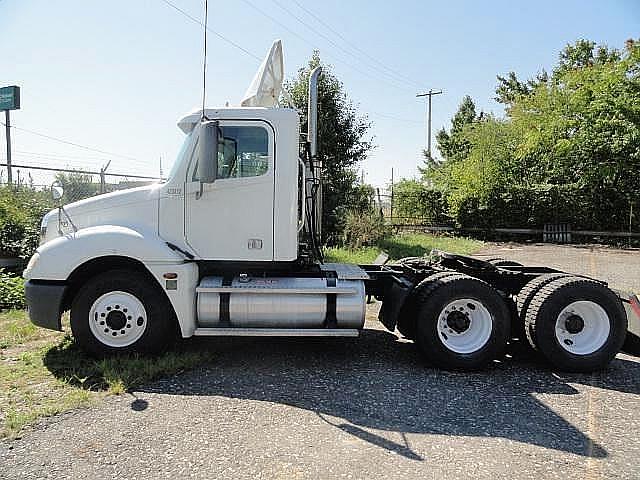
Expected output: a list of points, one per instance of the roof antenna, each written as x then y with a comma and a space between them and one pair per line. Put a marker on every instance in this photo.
204, 62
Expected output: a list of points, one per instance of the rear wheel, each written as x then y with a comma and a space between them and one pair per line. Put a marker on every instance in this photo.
462, 323
524, 298
501, 262
122, 312
578, 324
409, 314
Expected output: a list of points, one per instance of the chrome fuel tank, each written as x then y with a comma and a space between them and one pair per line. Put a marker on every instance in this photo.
280, 302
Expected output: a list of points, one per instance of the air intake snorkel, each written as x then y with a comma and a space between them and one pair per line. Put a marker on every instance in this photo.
314, 205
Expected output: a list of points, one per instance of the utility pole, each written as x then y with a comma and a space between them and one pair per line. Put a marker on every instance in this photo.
391, 208
7, 123
429, 94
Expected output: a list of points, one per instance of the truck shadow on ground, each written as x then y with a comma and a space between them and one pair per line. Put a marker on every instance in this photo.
379, 382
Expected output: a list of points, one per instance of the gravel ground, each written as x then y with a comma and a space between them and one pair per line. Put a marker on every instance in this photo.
621, 268
347, 408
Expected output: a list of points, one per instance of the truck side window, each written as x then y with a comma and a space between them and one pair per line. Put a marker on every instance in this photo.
243, 152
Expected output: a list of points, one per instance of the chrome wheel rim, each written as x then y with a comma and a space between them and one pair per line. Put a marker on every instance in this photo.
582, 327
464, 325
117, 319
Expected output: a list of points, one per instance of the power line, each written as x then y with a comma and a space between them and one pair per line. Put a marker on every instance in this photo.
308, 42
58, 155
328, 39
391, 71
392, 117
72, 143
297, 35
219, 35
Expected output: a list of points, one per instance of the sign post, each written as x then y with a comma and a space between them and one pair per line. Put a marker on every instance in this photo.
9, 100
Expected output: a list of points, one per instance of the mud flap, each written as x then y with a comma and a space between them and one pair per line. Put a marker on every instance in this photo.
393, 301
632, 306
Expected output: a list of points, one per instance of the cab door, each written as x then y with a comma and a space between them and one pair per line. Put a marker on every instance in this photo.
232, 218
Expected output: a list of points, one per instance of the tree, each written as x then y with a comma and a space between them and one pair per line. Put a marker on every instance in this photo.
452, 144
343, 142
510, 88
584, 53
585, 126
580, 54
570, 142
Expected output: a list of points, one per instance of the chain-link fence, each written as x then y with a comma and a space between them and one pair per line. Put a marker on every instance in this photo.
78, 184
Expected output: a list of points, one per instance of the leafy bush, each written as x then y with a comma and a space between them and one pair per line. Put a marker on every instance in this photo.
531, 206
21, 210
416, 202
11, 292
363, 229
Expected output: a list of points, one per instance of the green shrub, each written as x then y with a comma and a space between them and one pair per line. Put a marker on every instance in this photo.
363, 229
21, 210
531, 206
415, 202
11, 292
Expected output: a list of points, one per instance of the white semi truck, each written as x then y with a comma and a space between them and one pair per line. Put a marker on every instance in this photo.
228, 245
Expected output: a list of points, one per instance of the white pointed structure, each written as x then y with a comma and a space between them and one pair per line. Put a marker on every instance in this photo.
266, 86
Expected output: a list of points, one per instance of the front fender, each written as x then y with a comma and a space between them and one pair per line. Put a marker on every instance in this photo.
56, 259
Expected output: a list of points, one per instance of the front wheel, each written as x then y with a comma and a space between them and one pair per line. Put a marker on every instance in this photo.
122, 312
462, 324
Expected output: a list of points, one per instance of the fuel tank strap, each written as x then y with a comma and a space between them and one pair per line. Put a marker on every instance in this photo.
225, 317
331, 320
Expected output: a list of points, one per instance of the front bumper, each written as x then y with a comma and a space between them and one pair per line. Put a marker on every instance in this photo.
44, 303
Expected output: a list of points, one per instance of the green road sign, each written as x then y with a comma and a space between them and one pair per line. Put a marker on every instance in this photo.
10, 98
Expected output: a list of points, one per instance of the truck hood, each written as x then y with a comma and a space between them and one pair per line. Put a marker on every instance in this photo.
134, 207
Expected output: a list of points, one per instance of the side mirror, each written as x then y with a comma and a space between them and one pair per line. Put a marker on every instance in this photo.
208, 152
56, 191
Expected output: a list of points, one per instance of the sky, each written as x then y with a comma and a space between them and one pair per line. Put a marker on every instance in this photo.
116, 76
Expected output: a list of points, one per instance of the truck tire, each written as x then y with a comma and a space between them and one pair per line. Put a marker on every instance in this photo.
121, 311
501, 262
407, 319
577, 324
462, 323
524, 298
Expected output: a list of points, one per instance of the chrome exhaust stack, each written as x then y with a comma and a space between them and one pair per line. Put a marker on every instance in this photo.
312, 138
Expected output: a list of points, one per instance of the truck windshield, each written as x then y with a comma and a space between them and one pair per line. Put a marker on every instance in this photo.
180, 157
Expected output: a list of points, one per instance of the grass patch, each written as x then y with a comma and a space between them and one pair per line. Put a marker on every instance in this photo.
43, 373
404, 245
15, 331
346, 255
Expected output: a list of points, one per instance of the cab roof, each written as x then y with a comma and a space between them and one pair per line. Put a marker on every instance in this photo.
190, 120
